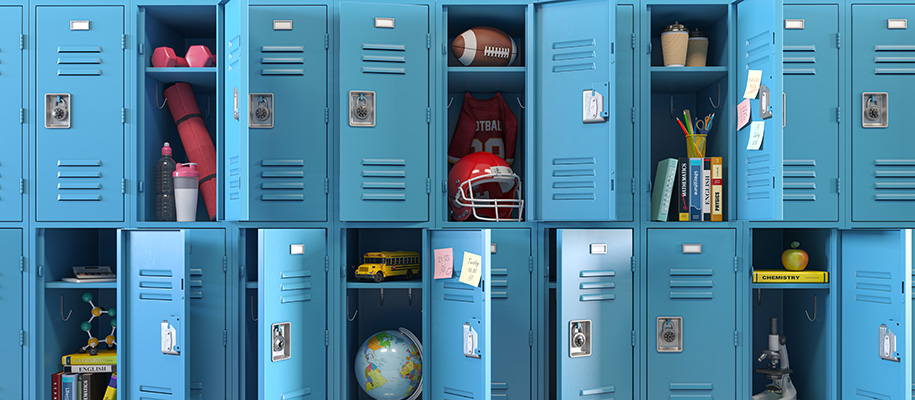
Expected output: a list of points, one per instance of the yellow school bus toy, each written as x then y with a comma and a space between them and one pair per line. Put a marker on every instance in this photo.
380, 265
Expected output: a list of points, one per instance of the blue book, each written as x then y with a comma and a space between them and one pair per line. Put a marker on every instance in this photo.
695, 189
69, 384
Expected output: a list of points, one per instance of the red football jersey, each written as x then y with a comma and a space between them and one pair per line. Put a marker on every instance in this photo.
484, 125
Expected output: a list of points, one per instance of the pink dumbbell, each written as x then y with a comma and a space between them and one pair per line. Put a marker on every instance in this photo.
166, 57
199, 56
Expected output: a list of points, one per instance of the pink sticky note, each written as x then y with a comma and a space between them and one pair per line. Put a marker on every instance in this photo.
743, 113
444, 263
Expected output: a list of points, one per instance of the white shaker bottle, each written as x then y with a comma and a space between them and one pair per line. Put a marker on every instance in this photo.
186, 178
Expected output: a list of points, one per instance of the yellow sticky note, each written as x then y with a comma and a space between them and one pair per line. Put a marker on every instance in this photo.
472, 269
754, 78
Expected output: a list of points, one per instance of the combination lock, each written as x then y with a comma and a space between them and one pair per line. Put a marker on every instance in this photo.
362, 108
280, 341
670, 334
261, 114
579, 338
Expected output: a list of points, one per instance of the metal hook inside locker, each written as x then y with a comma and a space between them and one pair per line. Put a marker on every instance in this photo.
719, 97
672, 112
814, 310
347, 311
449, 102
253, 317
519, 102
62, 310
157, 99
208, 108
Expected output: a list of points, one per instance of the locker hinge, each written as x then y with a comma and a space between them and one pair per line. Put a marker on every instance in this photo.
428, 185
326, 186
123, 115
445, 186
326, 338
633, 115
22, 186
838, 185
736, 336
225, 338
736, 263
632, 263
21, 338
326, 264
225, 264
633, 40
22, 115
141, 186
40, 271
342, 271
444, 48
838, 40
123, 41
326, 41
838, 115
428, 40
530, 264
141, 48
428, 115
632, 338
634, 185
21, 42
530, 338
21, 264
123, 185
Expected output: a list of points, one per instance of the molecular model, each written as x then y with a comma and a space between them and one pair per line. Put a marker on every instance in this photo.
92, 343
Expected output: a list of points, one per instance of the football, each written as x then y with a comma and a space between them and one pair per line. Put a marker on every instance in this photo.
484, 46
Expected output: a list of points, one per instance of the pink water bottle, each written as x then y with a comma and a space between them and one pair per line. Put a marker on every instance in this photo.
186, 178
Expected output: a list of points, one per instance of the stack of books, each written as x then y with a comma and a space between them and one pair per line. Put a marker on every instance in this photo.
86, 377
688, 189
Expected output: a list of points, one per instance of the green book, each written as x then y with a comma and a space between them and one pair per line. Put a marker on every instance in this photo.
663, 189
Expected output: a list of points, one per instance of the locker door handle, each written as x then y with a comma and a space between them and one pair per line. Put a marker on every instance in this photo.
235, 103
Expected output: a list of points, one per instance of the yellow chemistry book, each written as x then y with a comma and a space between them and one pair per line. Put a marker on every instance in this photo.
783, 276
105, 357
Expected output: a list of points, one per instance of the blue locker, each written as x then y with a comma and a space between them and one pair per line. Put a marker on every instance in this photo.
153, 308
11, 300
80, 95
594, 292
811, 133
876, 268
883, 167
759, 172
511, 312
233, 117
691, 313
460, 321
576, 168
208, 298
384, 112
11, 121
292, 314
625, 92
278, 168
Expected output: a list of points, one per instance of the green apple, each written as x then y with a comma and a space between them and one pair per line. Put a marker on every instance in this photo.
795, 259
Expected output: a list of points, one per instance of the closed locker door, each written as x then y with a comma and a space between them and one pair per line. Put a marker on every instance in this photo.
691, 313
292, 314
759, 48
287, 113
458, 350
153, 305
11, 300
511, 313
883, 164
384, 112
207, 293
576, 146
811, 147
80, 115
876, 328
594, 318
11, 121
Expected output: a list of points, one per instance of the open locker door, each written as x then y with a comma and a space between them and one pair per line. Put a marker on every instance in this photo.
594, 291
234, 116
292, 313
759, 48
459, 350
876, 314
153, 281
575, 129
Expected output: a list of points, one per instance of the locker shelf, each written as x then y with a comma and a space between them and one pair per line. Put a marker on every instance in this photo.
71, 285
684, 79
202, 79
486, 79
789, 286
251, 285
415, 284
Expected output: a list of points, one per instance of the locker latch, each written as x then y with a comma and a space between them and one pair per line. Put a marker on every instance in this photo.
57, 110
280, 341
765, 103
670, 334
471, 343
874, 110
168, 338
594, 106
888, 344
361, 108
260, 106
580, 338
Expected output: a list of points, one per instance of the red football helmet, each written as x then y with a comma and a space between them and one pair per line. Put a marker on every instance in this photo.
483, 186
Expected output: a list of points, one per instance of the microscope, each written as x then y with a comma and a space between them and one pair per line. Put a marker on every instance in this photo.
781, 387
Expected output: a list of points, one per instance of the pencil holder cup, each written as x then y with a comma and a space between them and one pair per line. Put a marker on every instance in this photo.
695, 145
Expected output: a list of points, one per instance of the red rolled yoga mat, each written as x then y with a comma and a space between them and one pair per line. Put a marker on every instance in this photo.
196, 140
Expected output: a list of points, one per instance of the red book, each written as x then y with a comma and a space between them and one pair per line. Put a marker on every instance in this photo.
55, 385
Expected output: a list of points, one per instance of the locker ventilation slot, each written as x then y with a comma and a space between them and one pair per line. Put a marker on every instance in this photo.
77, 55
274, 63
156, 390
800, 60
573, 178
283, 180
296, 394
79, 180
156, 285
573, 56
384, 59
296, 286
234, 181
499, 285
873, 287
196, 390
759, 176
459, 292
894, 60
894, 180
384, 179
596, 285
455, 394
691, 284
800, 184
196, 284
598, 390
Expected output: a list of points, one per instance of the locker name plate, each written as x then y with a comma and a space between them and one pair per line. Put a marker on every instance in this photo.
384, 23
79, 25
598, 248
282, 25
295, 249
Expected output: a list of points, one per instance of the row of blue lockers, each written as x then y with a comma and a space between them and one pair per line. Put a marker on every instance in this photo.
604, 311
827, 67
